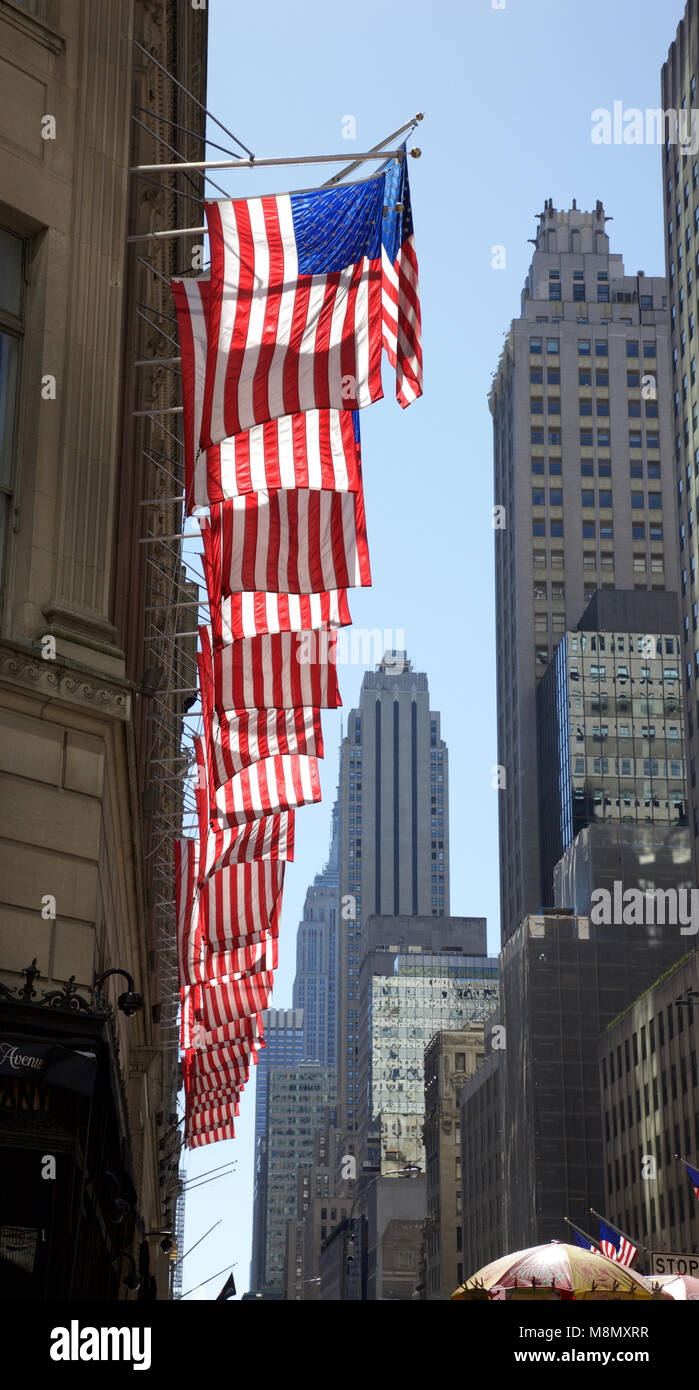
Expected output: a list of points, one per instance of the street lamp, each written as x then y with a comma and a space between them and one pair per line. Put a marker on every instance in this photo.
406, 1171
130, 1002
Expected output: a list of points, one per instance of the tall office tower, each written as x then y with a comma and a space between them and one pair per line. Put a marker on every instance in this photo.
582, 427
319, 1210
284, 1040
419, 977
681, 194
297, 1098
451, 1057
611, 746
482, 1193
394, 831
315, 986
563, 980
649, 1052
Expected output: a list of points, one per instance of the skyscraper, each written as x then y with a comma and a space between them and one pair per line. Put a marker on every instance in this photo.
610, 716
283, 1029
582, 423
419, 977
315, 985
681, 195
297, 1099
394, 831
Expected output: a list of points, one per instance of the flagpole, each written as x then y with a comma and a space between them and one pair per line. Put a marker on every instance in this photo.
687, 1166
619, 1231
585, 1236
275, 163
375, 149
686, 1161
208, 1281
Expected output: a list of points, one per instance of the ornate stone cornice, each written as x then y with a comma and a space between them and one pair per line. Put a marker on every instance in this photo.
63, 680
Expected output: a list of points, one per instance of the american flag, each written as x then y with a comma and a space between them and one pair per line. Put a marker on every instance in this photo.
233, 616
203, 1039
225, 1079
263, 789
221, 1065
195, 1140
242, 1035
285, 670
294, 319
235, 741
240, 904
269, 838
298, 542
583, 1241
693, 1175
202, 1119
313, 449
251, 959
400, 299
616, 1246
224, 1001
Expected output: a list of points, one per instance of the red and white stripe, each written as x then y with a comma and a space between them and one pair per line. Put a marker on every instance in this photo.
229, 1076
270, 838
254, 958
243, 1035
296, 542
220, 1065
280, 342
220, 1002
625, 1255
241, 904
400, 321
197, 1140
265, 788
233, 616
285, 670
214, 1117
313, 449
203, 1039
235, 741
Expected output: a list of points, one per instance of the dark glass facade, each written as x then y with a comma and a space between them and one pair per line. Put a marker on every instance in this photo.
611, 739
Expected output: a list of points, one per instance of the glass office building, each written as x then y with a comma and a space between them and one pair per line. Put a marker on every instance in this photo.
611, 738
296, 1102
426, 994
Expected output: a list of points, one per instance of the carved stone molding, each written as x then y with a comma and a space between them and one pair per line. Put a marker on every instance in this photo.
64, 680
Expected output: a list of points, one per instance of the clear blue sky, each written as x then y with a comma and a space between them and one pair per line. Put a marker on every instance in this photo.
507, 96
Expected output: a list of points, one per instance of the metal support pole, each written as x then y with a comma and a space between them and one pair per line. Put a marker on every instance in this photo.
269, 163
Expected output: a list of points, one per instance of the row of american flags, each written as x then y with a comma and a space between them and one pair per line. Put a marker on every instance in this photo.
614, 1243
281, 345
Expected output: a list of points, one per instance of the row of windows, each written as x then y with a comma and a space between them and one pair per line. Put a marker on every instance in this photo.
585, 345
603, 438
553, 405
605, 531
553, 376
604, 498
